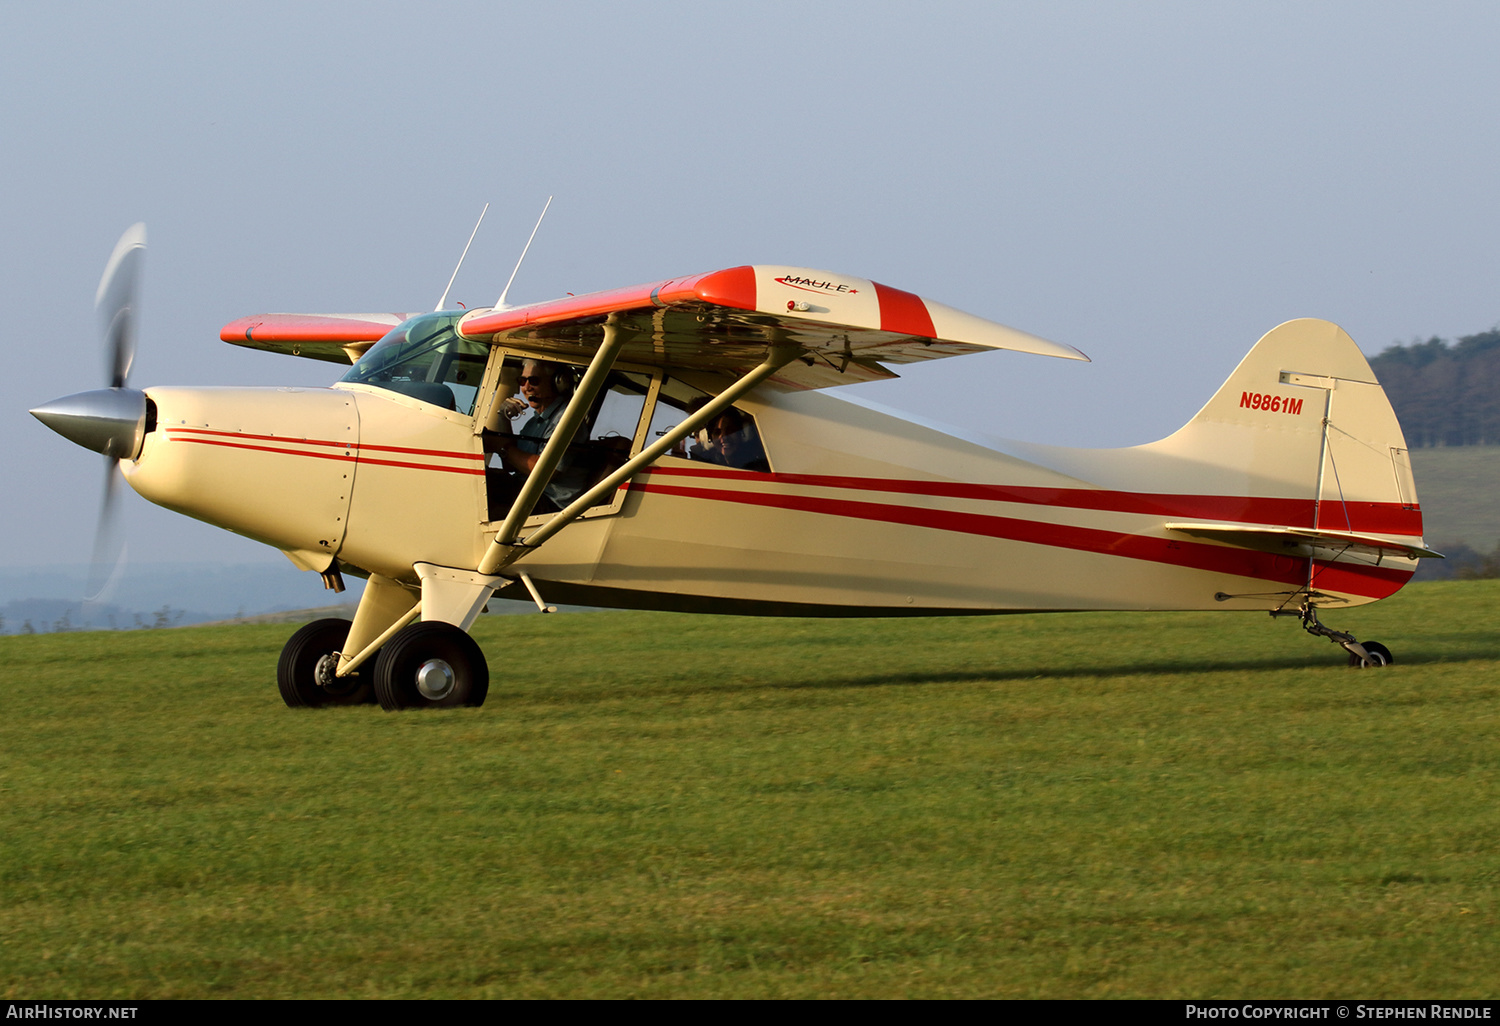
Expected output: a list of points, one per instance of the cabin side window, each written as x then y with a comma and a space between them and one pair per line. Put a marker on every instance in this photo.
731, 439
533, 396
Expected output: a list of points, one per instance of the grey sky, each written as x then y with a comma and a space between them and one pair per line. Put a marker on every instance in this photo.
1157, 184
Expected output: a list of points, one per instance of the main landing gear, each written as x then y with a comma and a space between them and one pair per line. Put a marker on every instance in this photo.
304, 673
428, 665
431, 665
1370, 653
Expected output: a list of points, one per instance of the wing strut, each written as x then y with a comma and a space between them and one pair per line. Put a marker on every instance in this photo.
504, 550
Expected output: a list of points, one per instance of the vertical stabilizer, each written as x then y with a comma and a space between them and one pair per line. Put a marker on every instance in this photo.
1302, 416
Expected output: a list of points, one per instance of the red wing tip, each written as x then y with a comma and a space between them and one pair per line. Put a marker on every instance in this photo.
732, 287
341, 330
239, 330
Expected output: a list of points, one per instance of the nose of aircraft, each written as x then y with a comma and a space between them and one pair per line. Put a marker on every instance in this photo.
107, 420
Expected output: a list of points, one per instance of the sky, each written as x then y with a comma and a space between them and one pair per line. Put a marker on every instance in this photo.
1157, 184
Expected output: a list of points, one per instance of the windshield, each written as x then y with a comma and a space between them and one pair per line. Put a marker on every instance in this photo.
425, 359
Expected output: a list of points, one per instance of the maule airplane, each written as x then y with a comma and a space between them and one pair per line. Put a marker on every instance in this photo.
671, 446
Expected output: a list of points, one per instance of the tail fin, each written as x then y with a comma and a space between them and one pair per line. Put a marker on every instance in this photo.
1302, 417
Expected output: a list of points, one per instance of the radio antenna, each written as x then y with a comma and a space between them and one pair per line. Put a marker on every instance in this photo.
461, 256
500, 303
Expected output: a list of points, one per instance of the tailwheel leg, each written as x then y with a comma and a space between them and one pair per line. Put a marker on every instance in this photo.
1370, 653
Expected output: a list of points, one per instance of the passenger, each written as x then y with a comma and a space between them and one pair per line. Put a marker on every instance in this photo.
738, 442
702, 448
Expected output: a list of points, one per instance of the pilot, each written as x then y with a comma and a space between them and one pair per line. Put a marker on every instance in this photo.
546, 388
737, 442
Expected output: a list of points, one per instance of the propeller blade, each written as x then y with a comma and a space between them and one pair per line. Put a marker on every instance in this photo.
109, 545
117, 302
111, 421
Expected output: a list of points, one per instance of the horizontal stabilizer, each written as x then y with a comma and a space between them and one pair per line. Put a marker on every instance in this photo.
1268, 537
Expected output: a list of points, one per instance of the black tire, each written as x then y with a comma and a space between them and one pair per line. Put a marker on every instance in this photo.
297, 671
1378, 652
462, 678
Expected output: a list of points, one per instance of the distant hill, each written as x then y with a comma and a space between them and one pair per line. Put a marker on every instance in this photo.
1445, 394
44, 600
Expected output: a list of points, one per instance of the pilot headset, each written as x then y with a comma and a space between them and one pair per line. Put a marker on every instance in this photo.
563, 381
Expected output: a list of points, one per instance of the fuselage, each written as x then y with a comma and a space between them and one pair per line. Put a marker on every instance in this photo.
862, 513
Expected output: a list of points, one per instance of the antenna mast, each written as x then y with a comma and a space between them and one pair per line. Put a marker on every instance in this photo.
461, 256
500, 303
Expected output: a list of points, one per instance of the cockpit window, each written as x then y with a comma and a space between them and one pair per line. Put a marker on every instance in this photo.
425, 359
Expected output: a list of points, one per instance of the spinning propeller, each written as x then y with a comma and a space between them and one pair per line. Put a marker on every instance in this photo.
109, 420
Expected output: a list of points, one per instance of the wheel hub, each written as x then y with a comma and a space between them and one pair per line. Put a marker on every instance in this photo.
435, 680
325, 672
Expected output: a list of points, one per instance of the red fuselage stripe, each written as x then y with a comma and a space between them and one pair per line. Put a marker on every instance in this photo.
343, 457
1372, 582
1377, 517
284, 440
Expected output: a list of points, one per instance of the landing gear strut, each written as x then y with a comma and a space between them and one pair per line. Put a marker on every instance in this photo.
1371, 653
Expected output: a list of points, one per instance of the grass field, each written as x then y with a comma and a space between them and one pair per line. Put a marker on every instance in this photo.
656, 805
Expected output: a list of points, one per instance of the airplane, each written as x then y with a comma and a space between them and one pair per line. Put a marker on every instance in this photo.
675, 446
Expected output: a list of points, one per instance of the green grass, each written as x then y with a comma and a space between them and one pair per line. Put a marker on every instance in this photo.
1087, 805
1459, 488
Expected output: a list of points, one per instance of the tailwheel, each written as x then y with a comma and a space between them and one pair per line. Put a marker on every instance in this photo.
305, 672
1371, 653
431, 665
1378, 653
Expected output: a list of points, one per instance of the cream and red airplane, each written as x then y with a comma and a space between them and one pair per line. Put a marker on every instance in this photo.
695, 462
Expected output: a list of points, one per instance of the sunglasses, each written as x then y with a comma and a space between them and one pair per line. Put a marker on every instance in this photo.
532, 379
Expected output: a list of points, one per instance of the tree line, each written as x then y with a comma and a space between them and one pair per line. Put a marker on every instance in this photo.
1445, 393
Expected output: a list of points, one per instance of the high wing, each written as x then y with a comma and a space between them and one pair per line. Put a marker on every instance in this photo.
847, 328
726, 320
337, 338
